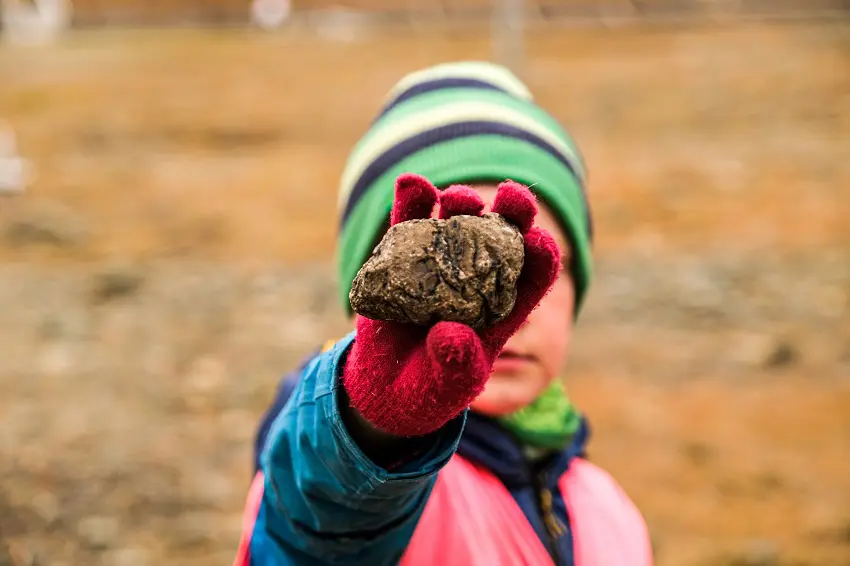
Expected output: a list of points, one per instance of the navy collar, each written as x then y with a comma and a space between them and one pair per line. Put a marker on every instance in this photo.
487, 443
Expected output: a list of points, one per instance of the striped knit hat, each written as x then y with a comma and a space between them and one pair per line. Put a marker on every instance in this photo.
467, 122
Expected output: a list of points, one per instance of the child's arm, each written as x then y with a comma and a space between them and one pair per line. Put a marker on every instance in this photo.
323, 500
394, 398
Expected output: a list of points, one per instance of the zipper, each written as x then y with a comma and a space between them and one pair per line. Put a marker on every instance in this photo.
555, 528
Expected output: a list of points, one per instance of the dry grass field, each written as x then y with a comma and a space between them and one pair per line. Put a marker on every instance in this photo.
173, 257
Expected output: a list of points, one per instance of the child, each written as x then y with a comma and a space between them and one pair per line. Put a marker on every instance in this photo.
442, 445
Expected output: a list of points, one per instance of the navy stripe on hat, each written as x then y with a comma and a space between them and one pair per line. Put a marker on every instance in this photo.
438, 84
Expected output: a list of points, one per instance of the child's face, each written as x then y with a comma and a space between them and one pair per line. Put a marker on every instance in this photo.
535, 355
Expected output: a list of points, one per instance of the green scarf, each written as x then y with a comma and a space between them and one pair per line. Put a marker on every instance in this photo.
548, 423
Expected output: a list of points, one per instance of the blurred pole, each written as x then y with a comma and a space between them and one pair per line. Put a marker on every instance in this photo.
507, 33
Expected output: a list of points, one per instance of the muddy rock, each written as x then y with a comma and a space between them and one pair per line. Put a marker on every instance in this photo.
463, 269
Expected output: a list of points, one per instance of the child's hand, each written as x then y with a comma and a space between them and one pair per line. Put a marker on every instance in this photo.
407, 380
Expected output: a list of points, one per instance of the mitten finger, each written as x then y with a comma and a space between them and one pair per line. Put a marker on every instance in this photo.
517, 204
457, 200
539, 272
458, 358
454, 347
415, 197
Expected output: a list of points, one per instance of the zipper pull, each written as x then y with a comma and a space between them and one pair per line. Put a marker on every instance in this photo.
554, 525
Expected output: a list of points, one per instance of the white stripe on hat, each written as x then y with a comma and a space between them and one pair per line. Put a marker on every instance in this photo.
495, 75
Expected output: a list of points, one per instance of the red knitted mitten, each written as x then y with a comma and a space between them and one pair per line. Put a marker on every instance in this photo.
408, 380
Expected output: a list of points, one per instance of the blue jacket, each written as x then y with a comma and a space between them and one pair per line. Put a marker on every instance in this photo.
326, 503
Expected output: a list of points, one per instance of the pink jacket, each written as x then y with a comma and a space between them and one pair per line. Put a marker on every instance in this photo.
472, 520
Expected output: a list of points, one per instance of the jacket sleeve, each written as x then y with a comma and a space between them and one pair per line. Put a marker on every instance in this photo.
319, 500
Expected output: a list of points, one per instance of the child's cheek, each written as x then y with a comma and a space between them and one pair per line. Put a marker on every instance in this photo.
552, 324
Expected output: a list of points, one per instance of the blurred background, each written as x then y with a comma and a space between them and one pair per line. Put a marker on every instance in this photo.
167, 219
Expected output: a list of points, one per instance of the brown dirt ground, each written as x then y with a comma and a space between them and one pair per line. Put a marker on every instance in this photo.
195, 173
